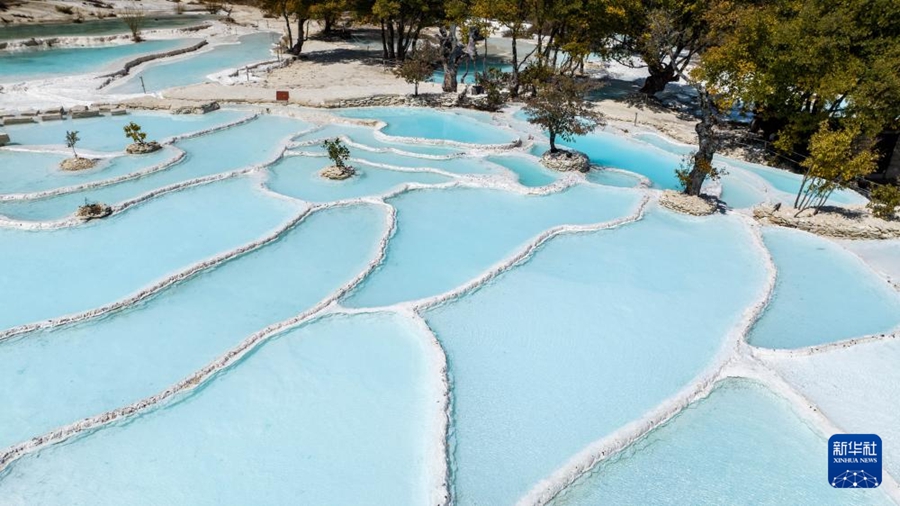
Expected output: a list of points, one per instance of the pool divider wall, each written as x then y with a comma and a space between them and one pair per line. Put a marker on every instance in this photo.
766, 353
147, 58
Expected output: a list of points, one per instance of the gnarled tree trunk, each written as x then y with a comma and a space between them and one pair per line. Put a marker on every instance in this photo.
451, 52
707, 144
659, 77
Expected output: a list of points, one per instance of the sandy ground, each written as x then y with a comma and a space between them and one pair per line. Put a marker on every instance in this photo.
329, 72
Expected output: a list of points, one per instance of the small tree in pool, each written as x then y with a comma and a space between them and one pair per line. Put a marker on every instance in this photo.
133, 132
560, 108
71, 140
338, 152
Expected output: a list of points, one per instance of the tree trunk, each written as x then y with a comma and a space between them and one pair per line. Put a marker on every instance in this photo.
552, 134
298, 47
287, 23
416, 92
514, 85
658, 79
451, 53
707, 145
384, 46
450, 73
391, 54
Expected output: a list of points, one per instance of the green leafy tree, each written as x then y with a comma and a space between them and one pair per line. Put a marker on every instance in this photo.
329, 12
337, 152
133, 132
402, 21
419, 67
493, 81
560, 108
797, 64
837, 157
512, 14
71, 140
668, 53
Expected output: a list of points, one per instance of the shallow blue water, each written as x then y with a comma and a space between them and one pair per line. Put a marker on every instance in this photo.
822, 294
445, 238
212, 154
527, 170
106, 133
366, 135
25, 172
102, 364
193, 69
32, 64
614, 178
53, 273
298, 176
432, 124
266, 431
531, 390
782, 180
741, 445
610, 150
474, 67
589, 334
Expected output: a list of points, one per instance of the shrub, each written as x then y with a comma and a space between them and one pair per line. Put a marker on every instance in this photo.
683, 172
337, 151
885, 199
133, 132
134, 20
71, 140
493, 81
65, 9
419, 66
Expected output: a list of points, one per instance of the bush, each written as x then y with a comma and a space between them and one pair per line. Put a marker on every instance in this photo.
683, 172
337, 151
493, 82
885, 199
133, 132
65, 9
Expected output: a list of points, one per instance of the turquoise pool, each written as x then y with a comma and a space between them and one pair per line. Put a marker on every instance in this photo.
454, 325
194, 68
32, 64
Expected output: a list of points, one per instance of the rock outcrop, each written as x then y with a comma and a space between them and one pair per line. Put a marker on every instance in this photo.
89, 212
77, 163
142, 149
855, 222
337, 173
687, 204
564, 161
197, 109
